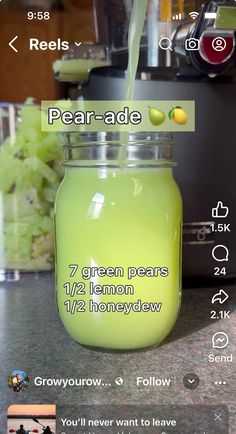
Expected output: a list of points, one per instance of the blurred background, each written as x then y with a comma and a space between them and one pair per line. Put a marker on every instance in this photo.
96, 70
26, 73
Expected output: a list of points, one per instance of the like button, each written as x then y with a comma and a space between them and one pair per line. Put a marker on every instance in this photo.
220, 211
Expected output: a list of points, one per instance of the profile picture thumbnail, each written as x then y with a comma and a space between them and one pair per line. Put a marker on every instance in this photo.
18, 381
25, 419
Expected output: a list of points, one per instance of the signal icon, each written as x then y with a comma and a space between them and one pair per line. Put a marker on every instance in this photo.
177, 17
193, 15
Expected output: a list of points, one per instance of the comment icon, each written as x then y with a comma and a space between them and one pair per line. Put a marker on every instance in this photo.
220, 253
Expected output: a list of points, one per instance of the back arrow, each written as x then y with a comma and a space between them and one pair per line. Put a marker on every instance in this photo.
10, 43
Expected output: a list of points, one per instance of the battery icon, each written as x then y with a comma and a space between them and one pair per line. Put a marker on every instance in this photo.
210, 15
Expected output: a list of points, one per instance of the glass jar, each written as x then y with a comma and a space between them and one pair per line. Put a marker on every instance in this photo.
30, 174
118, 240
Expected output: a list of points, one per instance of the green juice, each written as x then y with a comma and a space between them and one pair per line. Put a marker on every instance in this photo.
119, 217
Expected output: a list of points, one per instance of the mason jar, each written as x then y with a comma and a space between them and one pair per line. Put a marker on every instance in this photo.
118, 217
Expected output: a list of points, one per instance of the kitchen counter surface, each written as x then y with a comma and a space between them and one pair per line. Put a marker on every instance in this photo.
32, 338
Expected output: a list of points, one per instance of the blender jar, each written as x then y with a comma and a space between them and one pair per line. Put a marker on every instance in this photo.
128, 217
29, 177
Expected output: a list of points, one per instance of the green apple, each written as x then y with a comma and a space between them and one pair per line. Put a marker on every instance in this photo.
157, 117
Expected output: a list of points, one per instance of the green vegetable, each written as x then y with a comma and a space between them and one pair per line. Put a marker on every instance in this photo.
30, 173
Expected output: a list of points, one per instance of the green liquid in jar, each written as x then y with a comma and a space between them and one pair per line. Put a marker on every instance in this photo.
119, 217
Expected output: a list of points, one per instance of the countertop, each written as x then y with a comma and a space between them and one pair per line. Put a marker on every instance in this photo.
33, 338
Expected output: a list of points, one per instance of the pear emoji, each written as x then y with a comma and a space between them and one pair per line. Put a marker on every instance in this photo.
157, 117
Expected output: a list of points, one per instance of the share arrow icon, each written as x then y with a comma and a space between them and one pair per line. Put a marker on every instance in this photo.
220, 296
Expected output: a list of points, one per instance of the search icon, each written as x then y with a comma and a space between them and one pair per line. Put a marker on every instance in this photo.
165, 43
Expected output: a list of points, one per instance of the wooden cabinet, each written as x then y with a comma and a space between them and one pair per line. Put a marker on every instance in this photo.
78, 27
29, 73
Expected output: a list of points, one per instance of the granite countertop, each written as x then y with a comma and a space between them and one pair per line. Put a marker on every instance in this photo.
32, 338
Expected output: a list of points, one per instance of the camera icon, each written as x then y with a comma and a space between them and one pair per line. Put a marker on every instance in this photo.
192, 44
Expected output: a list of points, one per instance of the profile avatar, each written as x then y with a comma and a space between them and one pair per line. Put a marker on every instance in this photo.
18, 381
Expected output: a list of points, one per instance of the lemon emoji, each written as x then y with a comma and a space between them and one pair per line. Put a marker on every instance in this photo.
157, 117
178, 115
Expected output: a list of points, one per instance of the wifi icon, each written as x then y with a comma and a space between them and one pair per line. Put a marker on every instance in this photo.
193, 15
